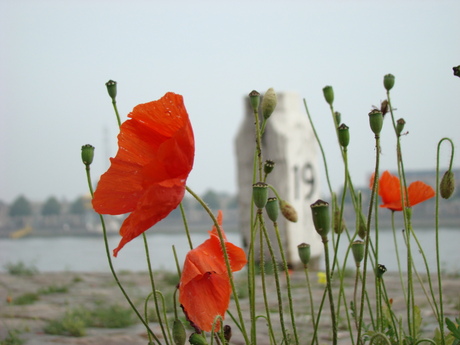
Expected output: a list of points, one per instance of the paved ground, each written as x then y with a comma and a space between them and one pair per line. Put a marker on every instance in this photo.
93, 290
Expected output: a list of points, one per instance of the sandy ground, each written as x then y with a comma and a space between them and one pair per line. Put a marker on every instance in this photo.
91, 290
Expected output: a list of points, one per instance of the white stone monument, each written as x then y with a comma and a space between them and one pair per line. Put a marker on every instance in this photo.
288, 141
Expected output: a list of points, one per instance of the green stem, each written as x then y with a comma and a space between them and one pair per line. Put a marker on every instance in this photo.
312, 309
288, 281
114, 103
109, 259
329, 290
401, 279
187, 230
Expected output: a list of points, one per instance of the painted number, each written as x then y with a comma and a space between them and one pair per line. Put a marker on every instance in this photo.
304, 180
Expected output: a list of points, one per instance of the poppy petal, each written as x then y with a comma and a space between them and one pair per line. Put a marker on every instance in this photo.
148, 174
419, 192
389, 189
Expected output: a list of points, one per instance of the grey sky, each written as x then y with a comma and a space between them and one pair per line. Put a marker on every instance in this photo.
55, 57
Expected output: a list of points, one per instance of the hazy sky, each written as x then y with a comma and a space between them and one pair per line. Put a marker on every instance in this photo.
55, 57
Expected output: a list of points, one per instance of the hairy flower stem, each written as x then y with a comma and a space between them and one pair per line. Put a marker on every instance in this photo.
312, 308
368, 237
401, 279
438, 261
276, 275
154, 290
329, 290
226, 259
288, 281
115, 108
187, 231
112, 269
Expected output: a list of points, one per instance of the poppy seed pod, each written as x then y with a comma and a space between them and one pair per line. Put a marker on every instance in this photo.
273, 209
400, 126
304, 253
380, 270
338, 117
268, 166
456, 71
269, 102
178, 332
197, 339
112, 89
87, 154
254, 98
321, 218
260, 194
376, 121
328, 93
357, 248
227, 332
447, 185
344, 135
388, 81
288, 211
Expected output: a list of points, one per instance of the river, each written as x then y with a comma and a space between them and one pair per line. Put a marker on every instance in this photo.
87, 254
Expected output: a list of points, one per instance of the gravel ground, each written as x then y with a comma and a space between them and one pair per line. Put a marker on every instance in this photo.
98, 290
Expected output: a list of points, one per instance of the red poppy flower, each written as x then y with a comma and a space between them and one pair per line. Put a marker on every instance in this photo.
204, 289
390, 191
147, 177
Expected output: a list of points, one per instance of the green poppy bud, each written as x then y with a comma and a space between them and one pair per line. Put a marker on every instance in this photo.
380, 270
321, 218
338, 225
273, 209
254, 98
361, 226
304, 253
328, 93
357, 248
400, 126
447, 185
456, 71
112, 89
288, 211
178, 332
197, 339
344, 135
260, 194
87, 154
268, 166
338, 117
376, 121
269, 101
388, 81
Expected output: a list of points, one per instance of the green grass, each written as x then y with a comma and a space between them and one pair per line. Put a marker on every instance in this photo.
75, 321
20, 269
53, 289
27, 298
12, 338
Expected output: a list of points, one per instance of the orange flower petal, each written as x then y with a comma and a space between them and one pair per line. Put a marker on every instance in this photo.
419, 192
204, 289
147, 176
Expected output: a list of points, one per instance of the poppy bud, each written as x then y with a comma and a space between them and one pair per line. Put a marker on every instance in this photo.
344, 135
447, 185
388, 81
178, 332
268, 103
400, 126
321, 218
268, 167
227, 333
288, 211
338, 117
357, 248
260, 194
328, 93
376, 121
254, 98
338, 225
304, 253
273, 208
380, 270
112, 89
197, 339
456, 71
87, 154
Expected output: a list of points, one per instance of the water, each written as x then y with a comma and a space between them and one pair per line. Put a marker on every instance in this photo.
87, 254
